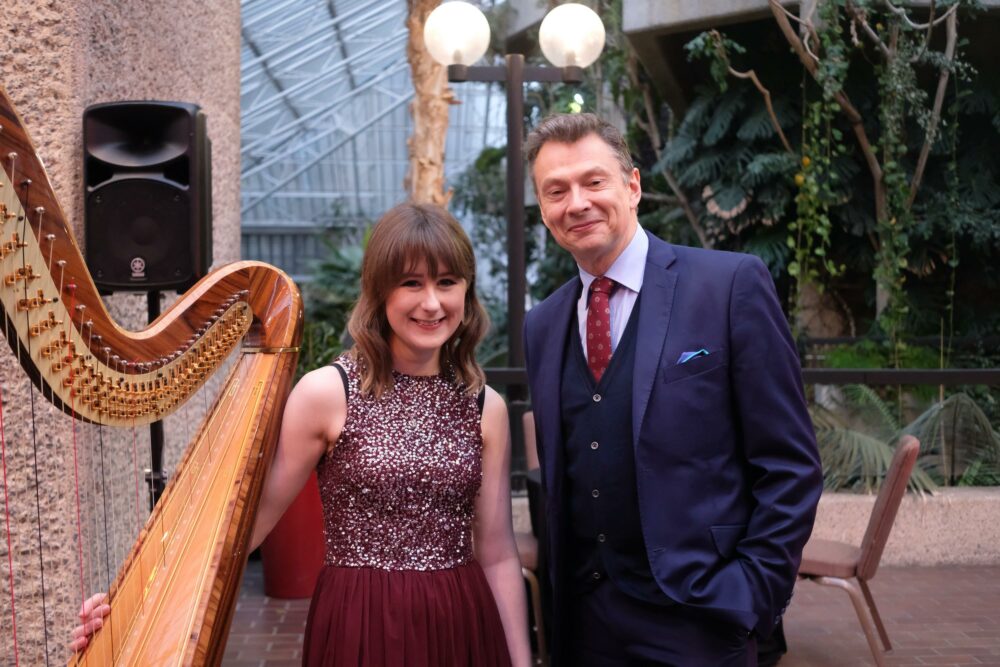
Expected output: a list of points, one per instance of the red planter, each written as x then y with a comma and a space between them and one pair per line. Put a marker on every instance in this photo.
293, 553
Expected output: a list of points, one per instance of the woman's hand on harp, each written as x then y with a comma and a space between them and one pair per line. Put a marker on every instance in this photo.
92, 613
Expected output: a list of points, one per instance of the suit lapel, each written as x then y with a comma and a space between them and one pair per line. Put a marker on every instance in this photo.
657, 300
549, 373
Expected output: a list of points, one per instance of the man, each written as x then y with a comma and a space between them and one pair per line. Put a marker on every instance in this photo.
678, 457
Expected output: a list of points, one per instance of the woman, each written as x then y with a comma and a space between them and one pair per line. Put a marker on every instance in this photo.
413, 462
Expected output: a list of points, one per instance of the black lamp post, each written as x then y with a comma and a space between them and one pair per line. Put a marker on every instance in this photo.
571, 35
515, 73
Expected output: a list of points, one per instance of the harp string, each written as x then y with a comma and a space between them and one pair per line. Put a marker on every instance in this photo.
10, 550
31, 396
100, 488
99, 463
135, 474
71, 288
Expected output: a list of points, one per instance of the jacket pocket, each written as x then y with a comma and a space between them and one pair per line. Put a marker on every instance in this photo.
726, 538
694, 366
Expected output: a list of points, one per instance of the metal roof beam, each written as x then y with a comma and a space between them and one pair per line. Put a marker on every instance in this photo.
291, 128
309, 165
279, 7
278, 99
268, 162
306, 41
267, 71
314, 194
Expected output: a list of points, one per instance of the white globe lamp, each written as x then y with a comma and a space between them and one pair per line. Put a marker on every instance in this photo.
571, 35
456, 33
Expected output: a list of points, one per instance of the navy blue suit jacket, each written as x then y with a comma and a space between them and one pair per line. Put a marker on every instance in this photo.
727, 469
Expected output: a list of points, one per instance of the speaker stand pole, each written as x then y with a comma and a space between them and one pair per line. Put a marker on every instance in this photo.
154, 476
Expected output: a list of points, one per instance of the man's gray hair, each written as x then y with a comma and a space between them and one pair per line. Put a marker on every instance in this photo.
568, 128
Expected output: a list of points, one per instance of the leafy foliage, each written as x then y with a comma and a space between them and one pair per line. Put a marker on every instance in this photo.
959, 446
856, 432
329, 298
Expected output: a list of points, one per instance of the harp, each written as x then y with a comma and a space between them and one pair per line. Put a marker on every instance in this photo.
173, 598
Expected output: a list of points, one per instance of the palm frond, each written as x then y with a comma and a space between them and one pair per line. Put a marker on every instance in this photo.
731, 104
854, 428
858, 461
957, 441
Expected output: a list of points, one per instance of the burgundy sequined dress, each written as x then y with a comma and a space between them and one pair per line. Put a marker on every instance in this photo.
400, 587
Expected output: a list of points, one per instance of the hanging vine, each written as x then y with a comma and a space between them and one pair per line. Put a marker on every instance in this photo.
899, 46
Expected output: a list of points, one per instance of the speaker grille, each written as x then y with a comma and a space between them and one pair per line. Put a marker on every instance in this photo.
143, 224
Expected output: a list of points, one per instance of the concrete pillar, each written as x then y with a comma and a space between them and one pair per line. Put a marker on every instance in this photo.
56, 58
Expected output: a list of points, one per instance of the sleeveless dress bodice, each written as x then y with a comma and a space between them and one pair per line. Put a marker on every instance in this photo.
399, 486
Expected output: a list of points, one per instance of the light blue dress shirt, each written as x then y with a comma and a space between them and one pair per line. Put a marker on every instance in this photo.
627, 270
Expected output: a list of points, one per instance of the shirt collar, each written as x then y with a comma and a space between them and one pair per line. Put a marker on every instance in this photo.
630, 266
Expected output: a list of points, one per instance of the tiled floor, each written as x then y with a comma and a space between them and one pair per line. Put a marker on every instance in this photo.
266, 632
935, 616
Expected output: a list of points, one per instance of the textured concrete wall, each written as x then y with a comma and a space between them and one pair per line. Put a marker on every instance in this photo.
956, 526
56, 58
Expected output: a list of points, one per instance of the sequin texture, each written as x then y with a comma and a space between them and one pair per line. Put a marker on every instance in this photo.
399, 485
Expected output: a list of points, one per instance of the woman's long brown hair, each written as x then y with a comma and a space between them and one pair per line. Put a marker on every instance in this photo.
405, 235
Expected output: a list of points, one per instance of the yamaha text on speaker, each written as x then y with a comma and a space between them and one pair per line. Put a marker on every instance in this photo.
148, 195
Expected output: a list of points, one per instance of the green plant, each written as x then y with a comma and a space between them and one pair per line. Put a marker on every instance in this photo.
958, 444
856, 431
329, 298
811, 233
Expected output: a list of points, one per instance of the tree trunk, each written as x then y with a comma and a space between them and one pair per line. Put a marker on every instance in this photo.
425, 180
818, 315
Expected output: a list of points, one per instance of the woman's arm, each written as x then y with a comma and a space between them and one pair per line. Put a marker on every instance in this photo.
493, 532
314, 417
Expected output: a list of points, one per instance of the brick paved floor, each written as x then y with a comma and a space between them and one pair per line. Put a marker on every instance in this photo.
266, 632
935, 616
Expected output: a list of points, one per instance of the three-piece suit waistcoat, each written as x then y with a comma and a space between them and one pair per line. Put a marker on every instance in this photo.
606, 534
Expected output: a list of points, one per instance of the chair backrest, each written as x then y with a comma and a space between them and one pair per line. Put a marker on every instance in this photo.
886, 505
530, 445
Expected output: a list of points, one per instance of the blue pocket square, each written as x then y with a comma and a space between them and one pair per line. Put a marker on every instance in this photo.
688, 356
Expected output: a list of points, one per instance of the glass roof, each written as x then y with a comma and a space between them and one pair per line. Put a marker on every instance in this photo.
325, 91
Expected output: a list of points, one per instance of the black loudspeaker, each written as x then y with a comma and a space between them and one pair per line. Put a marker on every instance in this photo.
147, 195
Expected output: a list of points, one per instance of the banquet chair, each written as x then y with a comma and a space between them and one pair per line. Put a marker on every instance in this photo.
528, 549
849, 567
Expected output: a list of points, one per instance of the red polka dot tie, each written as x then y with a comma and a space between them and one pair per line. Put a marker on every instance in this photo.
599, 326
